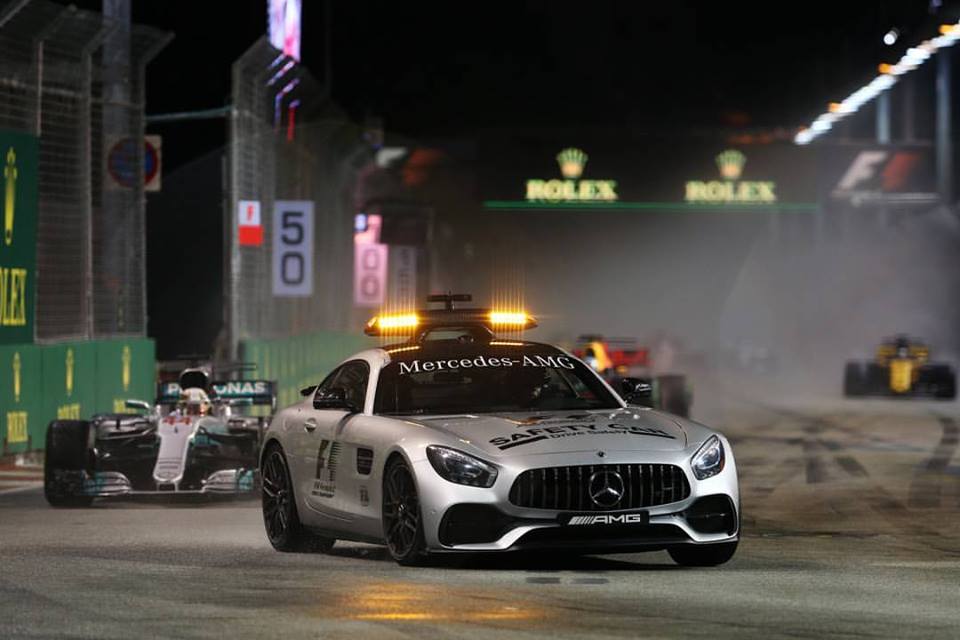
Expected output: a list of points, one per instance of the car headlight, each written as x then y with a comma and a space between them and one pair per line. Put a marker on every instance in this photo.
708, 460
461, 468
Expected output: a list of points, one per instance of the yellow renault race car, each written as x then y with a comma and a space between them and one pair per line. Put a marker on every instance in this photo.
902, 368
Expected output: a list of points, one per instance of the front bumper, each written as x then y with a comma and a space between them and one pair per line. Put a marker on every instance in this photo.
106, 484
511, 527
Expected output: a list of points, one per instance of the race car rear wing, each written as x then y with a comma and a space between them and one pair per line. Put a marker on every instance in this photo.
258, 392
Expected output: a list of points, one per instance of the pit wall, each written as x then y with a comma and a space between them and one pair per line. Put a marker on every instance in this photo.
300, 361
69, 380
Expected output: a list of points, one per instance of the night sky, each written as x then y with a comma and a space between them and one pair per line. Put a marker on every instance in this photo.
433, 69
436, 71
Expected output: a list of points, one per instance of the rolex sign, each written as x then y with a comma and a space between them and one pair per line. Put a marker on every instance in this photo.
18, 246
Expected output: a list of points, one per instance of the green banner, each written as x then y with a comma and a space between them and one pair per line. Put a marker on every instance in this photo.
18, 243
68, 381
21, 397
300, 361
125, 370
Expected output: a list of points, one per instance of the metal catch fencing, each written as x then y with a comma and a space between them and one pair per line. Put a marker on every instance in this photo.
76, 81
287, 141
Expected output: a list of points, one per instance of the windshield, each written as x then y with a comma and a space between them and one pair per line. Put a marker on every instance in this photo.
489, 383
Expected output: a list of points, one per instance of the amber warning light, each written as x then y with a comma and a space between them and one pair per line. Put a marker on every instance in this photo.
392, 324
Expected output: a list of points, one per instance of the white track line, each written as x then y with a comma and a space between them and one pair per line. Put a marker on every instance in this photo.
25, 473
37, 485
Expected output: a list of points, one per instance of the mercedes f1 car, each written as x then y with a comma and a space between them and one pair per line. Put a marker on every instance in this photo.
902, 368
194, 440
455, 440
626, 366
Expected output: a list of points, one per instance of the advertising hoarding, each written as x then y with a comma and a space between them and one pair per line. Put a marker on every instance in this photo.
283, 18
18, 246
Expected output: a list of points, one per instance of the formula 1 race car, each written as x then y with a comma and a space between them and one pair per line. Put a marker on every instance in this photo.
901, 369
626, 366
194, 440
455, 440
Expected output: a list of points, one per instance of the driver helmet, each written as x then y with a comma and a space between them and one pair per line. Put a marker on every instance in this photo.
194, 402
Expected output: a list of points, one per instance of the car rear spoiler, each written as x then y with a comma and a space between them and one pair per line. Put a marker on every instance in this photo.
259, 392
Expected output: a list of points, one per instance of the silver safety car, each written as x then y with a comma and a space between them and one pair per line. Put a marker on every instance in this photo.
456, 440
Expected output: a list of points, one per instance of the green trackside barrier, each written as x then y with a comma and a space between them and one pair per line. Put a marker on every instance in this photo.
69, 379
74, 380
19, 161
125, 369
300, 361
22, 418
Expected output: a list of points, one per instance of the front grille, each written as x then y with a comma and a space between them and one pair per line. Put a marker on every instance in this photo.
568, 488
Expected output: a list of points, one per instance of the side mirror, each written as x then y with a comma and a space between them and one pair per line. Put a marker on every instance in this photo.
139, 405
306, 392
637, 391
335, 398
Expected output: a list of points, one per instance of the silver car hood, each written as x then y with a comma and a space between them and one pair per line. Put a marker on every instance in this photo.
531, 433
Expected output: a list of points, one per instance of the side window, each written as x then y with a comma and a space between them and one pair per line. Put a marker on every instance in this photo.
328, 382
352, 377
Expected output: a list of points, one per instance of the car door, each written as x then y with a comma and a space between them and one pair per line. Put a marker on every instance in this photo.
364, 439
300, 426
323, 450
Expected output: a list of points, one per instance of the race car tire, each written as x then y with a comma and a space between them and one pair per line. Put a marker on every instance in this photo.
944, 380
280, 517
703, 555
854, 380
673, 395
402, 518
67, 455
948, 389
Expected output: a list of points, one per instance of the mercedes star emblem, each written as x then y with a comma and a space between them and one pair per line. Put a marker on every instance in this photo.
606, 488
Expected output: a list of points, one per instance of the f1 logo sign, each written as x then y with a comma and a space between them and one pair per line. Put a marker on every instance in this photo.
882, 172
249, 226
862, 170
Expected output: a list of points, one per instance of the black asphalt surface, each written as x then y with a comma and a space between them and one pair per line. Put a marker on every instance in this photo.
851, 530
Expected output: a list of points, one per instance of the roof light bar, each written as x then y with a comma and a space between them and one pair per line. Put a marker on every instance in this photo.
393, 324
417, 324
509, 318
889, 74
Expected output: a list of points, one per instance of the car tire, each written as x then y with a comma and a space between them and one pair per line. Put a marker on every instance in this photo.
947, 389
401, 514
280, 517
854, 380
67, 457
703, 555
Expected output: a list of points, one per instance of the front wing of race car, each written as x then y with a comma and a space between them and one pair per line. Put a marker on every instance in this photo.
543, 502
107, 484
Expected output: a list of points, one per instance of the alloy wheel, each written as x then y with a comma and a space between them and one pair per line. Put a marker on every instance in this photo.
401, 511
277, 498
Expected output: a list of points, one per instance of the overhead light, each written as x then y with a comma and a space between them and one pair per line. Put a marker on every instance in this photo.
890, 37
889, 74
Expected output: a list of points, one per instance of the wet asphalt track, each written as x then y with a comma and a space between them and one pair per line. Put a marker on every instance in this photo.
851, 530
